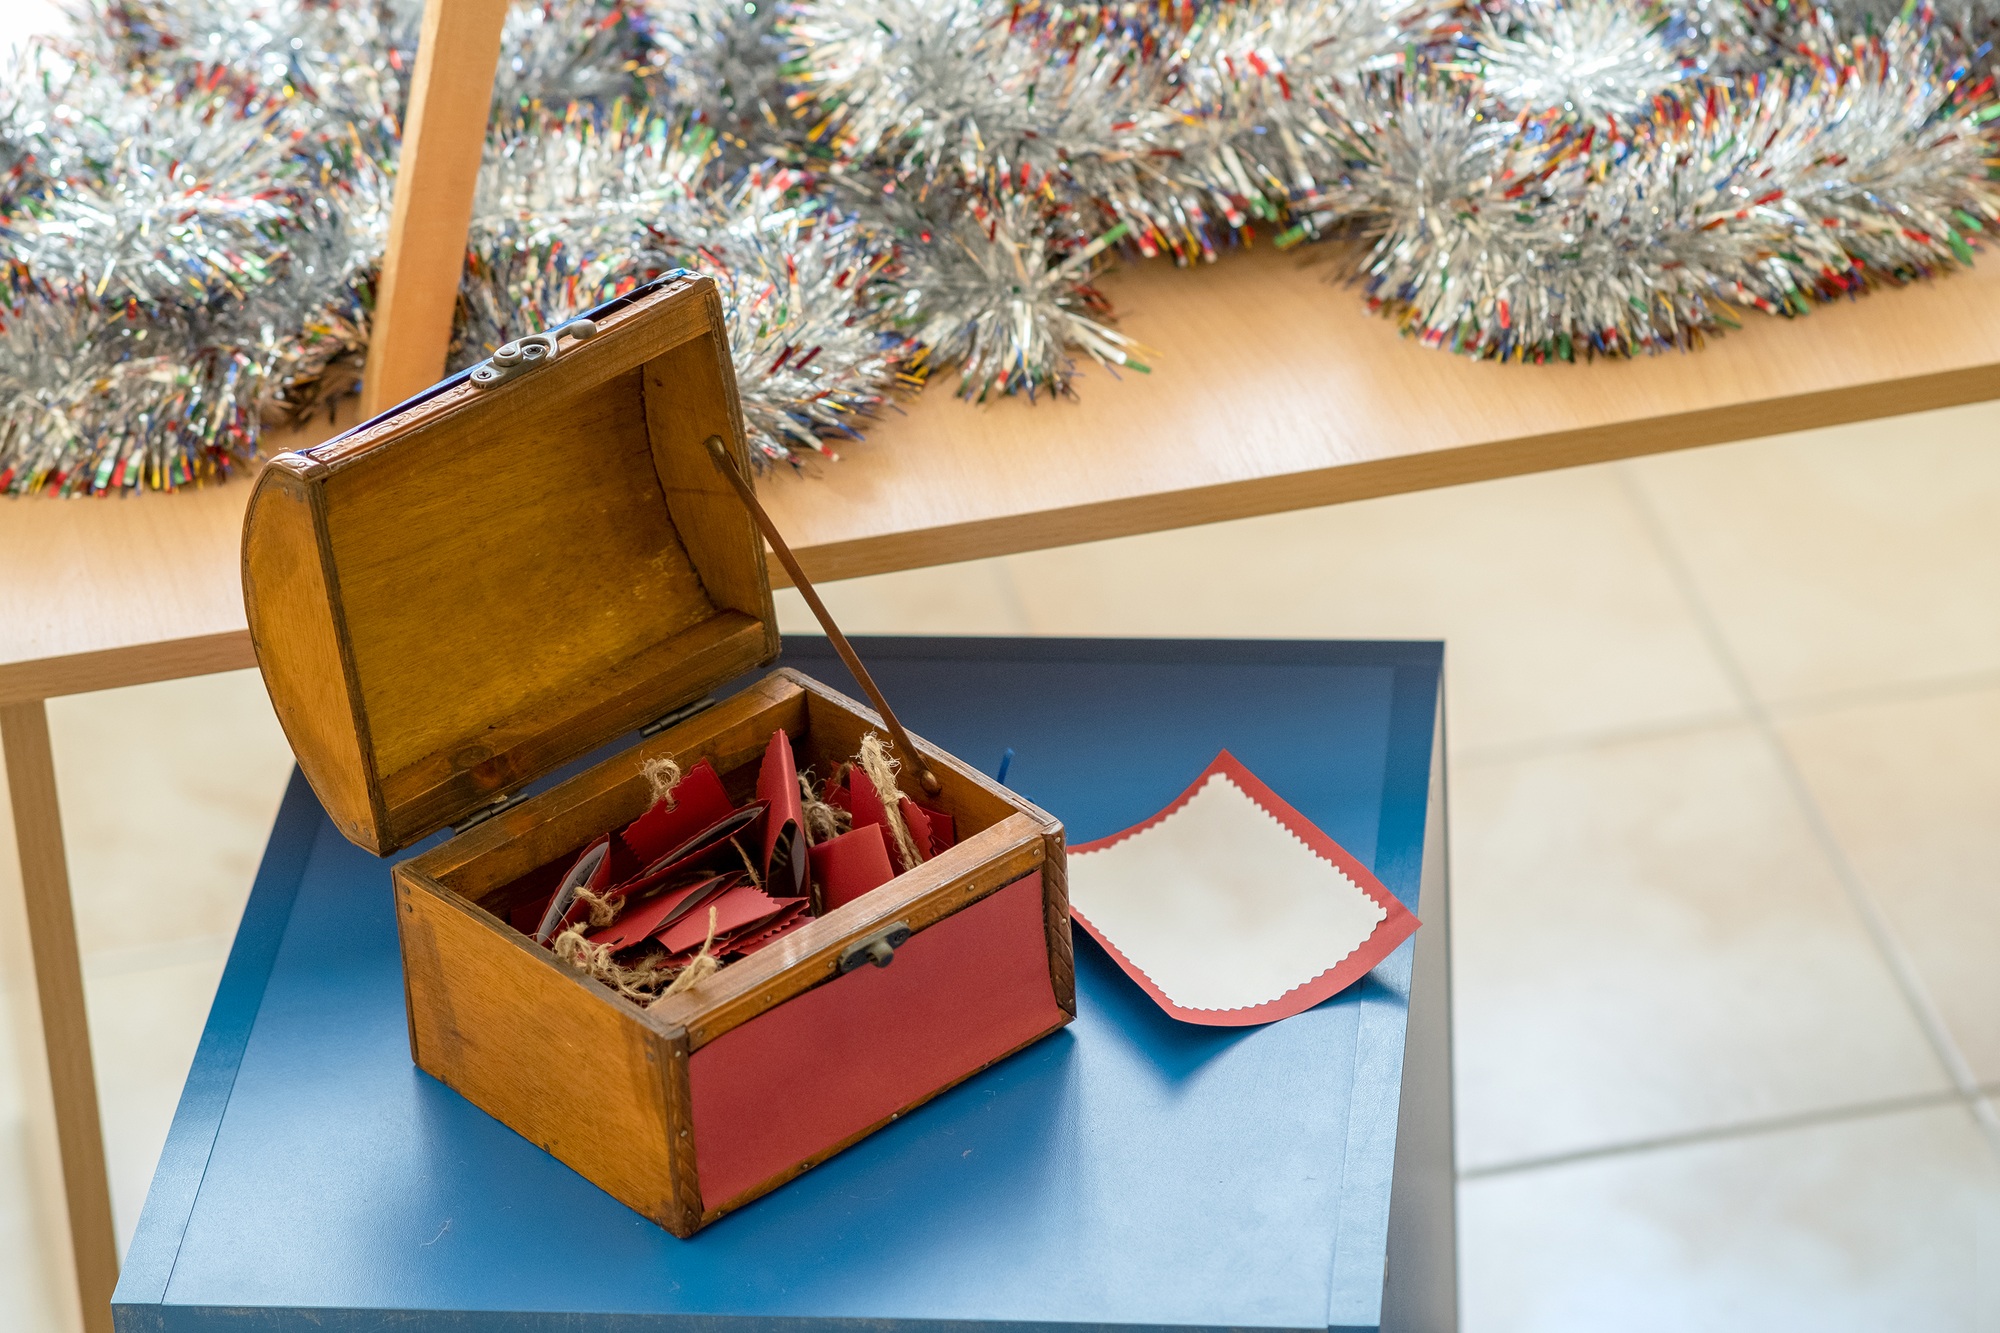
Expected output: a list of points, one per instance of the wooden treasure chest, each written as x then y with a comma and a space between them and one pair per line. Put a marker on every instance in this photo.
682, 971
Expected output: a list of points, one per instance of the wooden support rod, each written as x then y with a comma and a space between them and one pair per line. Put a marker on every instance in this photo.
444, 134
719, 451
31, 783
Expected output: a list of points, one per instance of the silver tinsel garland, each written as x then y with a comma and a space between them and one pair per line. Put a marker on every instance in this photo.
571, 214
193, 196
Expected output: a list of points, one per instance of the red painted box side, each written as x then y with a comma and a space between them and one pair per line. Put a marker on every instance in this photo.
821, 1068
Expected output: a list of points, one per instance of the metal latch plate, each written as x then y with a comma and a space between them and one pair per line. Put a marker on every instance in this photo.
879, 948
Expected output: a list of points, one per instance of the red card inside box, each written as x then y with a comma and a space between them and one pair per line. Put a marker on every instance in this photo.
709, 846
867, 808
756, 937
1230, 908
943, 832
592, 871
739, 907
850, 865
635, 925
784, 829
699, 801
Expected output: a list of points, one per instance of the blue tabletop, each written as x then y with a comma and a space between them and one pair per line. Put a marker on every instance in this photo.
1131, 1170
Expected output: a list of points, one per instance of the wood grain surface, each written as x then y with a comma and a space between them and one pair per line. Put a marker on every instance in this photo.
1272, 391
500, 578
567, 1064
437, 172
31, 784
556, 1057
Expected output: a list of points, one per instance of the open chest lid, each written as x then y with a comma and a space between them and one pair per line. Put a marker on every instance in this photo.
511, 569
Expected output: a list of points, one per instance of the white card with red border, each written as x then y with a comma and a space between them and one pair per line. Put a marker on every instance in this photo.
1231, 908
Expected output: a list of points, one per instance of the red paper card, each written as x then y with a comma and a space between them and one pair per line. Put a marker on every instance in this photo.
709, 843
737, 908
944, 830
784, 827
862, 802
850, 865
698, 801
867, 808
784, 923
637, 923
919, 825
592, 871
1230, 908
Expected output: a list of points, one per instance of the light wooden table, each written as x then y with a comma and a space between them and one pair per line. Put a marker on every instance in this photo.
1272, 391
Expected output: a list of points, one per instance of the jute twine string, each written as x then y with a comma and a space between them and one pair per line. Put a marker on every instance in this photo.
603, 911
594, 960
662, 775
823, 821
700, 968
880, 769
748, 867
643, 981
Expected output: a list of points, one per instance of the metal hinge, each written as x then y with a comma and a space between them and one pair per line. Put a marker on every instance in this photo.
486, 812
653, 728
679, 715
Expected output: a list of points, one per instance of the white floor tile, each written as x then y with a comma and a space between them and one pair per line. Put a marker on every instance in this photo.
1646, 941
1911, 789
168, 793
1860, 1225
1560, 615
34, 1269
1845, 559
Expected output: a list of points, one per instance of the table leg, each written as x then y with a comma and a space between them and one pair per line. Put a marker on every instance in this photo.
437, 173
31, 780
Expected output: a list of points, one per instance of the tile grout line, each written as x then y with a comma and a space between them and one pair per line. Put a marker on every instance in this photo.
1722, 1133
1906, 691
1901, 967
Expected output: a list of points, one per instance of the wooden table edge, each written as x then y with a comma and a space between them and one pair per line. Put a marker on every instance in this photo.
1126, 516
1339, 483
130, 664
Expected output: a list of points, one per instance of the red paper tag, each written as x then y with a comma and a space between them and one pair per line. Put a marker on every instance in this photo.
919, 825
711, 843
749, 940
944, 830
737, 908
698, 801
597, 881
784, 825
850, 865
636, 924
868, 810
862, 802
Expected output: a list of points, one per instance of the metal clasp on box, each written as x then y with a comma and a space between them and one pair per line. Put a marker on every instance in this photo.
524, 354
879, 948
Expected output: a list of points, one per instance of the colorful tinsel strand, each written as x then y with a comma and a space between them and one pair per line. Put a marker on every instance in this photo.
193, 196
